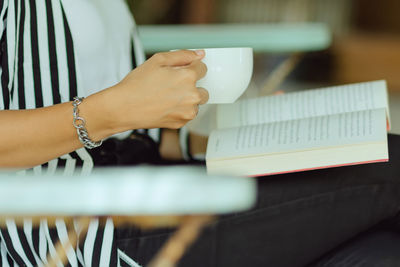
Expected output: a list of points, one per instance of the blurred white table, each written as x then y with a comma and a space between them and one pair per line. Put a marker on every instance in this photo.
148, 197
125, 191
263, 38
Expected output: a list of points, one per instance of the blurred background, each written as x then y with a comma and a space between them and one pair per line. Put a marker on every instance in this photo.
365, 46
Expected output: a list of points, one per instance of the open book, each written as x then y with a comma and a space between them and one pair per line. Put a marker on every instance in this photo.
321, 128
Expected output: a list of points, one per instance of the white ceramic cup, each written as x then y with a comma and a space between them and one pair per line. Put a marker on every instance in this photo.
229, 72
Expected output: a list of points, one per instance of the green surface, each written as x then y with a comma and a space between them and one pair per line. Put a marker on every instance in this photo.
263, 38
126, 191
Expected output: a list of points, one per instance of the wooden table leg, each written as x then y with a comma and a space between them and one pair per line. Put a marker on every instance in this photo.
187, 233
70, 243
168, 256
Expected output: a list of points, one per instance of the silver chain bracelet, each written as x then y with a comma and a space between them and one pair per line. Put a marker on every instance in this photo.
79, 123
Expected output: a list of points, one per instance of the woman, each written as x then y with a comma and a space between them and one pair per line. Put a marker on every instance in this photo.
52, 51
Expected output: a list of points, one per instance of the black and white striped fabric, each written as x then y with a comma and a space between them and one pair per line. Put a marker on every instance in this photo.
39, 68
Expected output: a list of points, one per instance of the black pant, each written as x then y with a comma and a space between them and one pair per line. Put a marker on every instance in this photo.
299, 217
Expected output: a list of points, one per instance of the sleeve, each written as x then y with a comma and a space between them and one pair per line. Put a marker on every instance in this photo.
3, 54
3, 12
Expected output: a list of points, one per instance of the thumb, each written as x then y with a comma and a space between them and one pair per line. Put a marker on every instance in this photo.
180, 57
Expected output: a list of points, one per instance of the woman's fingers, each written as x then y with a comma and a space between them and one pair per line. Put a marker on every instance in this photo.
178, 58
163, 89
199, 68
203, 95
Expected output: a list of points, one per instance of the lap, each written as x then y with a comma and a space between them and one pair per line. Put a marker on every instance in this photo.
372, 249
298, 217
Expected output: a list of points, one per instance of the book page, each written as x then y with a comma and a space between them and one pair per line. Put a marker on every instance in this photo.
304, 104
294, 135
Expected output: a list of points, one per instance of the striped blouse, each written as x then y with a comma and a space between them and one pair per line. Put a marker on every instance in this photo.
40, 66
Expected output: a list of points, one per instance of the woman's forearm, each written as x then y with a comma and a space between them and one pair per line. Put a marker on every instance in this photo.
32, 137
161, 93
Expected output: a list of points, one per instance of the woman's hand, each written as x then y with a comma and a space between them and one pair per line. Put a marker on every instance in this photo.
161, 93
